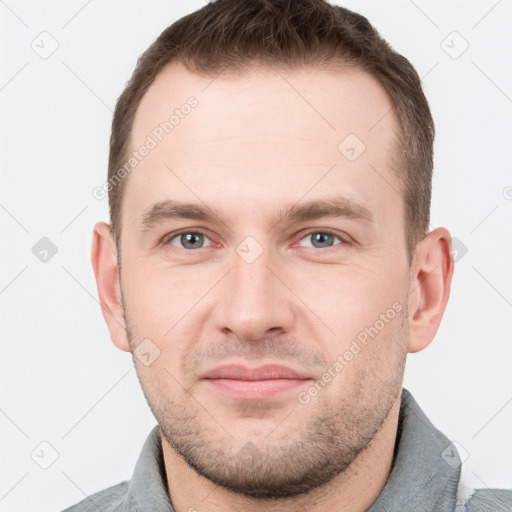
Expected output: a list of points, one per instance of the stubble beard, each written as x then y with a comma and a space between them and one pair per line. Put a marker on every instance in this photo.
282, 464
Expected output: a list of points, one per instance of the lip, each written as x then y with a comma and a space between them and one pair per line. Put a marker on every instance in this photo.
241, 382
265, 372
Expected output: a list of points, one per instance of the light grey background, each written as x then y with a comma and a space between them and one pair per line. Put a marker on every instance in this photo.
64, 382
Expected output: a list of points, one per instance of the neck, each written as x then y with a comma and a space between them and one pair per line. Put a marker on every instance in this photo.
355, 489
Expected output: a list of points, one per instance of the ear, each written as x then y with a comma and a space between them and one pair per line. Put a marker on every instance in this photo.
106, 271
431, 277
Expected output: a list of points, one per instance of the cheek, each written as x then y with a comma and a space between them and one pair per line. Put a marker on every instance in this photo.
350, 299
365, 309
160, 296
162, 305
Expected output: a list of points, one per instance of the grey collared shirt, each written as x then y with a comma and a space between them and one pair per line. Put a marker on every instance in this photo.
424, 477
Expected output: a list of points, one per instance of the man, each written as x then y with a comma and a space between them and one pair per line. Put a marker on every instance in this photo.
269, 266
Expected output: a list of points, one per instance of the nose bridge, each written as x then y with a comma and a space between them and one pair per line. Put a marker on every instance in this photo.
252, 278
253, 300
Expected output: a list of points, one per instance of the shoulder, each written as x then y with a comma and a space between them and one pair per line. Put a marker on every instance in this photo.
108, 500
484, 500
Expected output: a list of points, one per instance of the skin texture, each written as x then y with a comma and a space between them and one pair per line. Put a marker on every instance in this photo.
254, 144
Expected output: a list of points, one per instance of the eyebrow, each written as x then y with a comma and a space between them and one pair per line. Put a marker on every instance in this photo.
338, 207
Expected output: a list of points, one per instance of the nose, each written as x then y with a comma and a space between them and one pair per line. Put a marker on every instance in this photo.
254, 301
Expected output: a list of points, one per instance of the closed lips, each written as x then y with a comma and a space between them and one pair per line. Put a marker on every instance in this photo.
267, 372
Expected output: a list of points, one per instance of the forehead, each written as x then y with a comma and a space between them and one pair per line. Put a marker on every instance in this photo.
272, 132
264, 101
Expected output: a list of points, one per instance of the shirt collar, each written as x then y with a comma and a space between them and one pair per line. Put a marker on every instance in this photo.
426, 466
424, 475
148, 485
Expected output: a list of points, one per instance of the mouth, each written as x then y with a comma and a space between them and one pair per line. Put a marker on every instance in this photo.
240, 382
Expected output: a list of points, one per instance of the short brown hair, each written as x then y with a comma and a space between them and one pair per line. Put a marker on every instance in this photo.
288, 33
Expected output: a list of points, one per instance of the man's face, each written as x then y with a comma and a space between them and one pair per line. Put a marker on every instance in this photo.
222, 298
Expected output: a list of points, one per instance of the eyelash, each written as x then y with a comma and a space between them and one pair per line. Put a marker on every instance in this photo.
166, 241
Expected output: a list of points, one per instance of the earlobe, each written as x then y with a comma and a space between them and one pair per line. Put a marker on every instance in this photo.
431, 276
106, 272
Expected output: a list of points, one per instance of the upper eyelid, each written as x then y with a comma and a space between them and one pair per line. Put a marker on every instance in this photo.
341, 235
166, 240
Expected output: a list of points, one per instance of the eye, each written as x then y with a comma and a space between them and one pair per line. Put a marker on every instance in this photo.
193, 240
188, 240
323, 239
